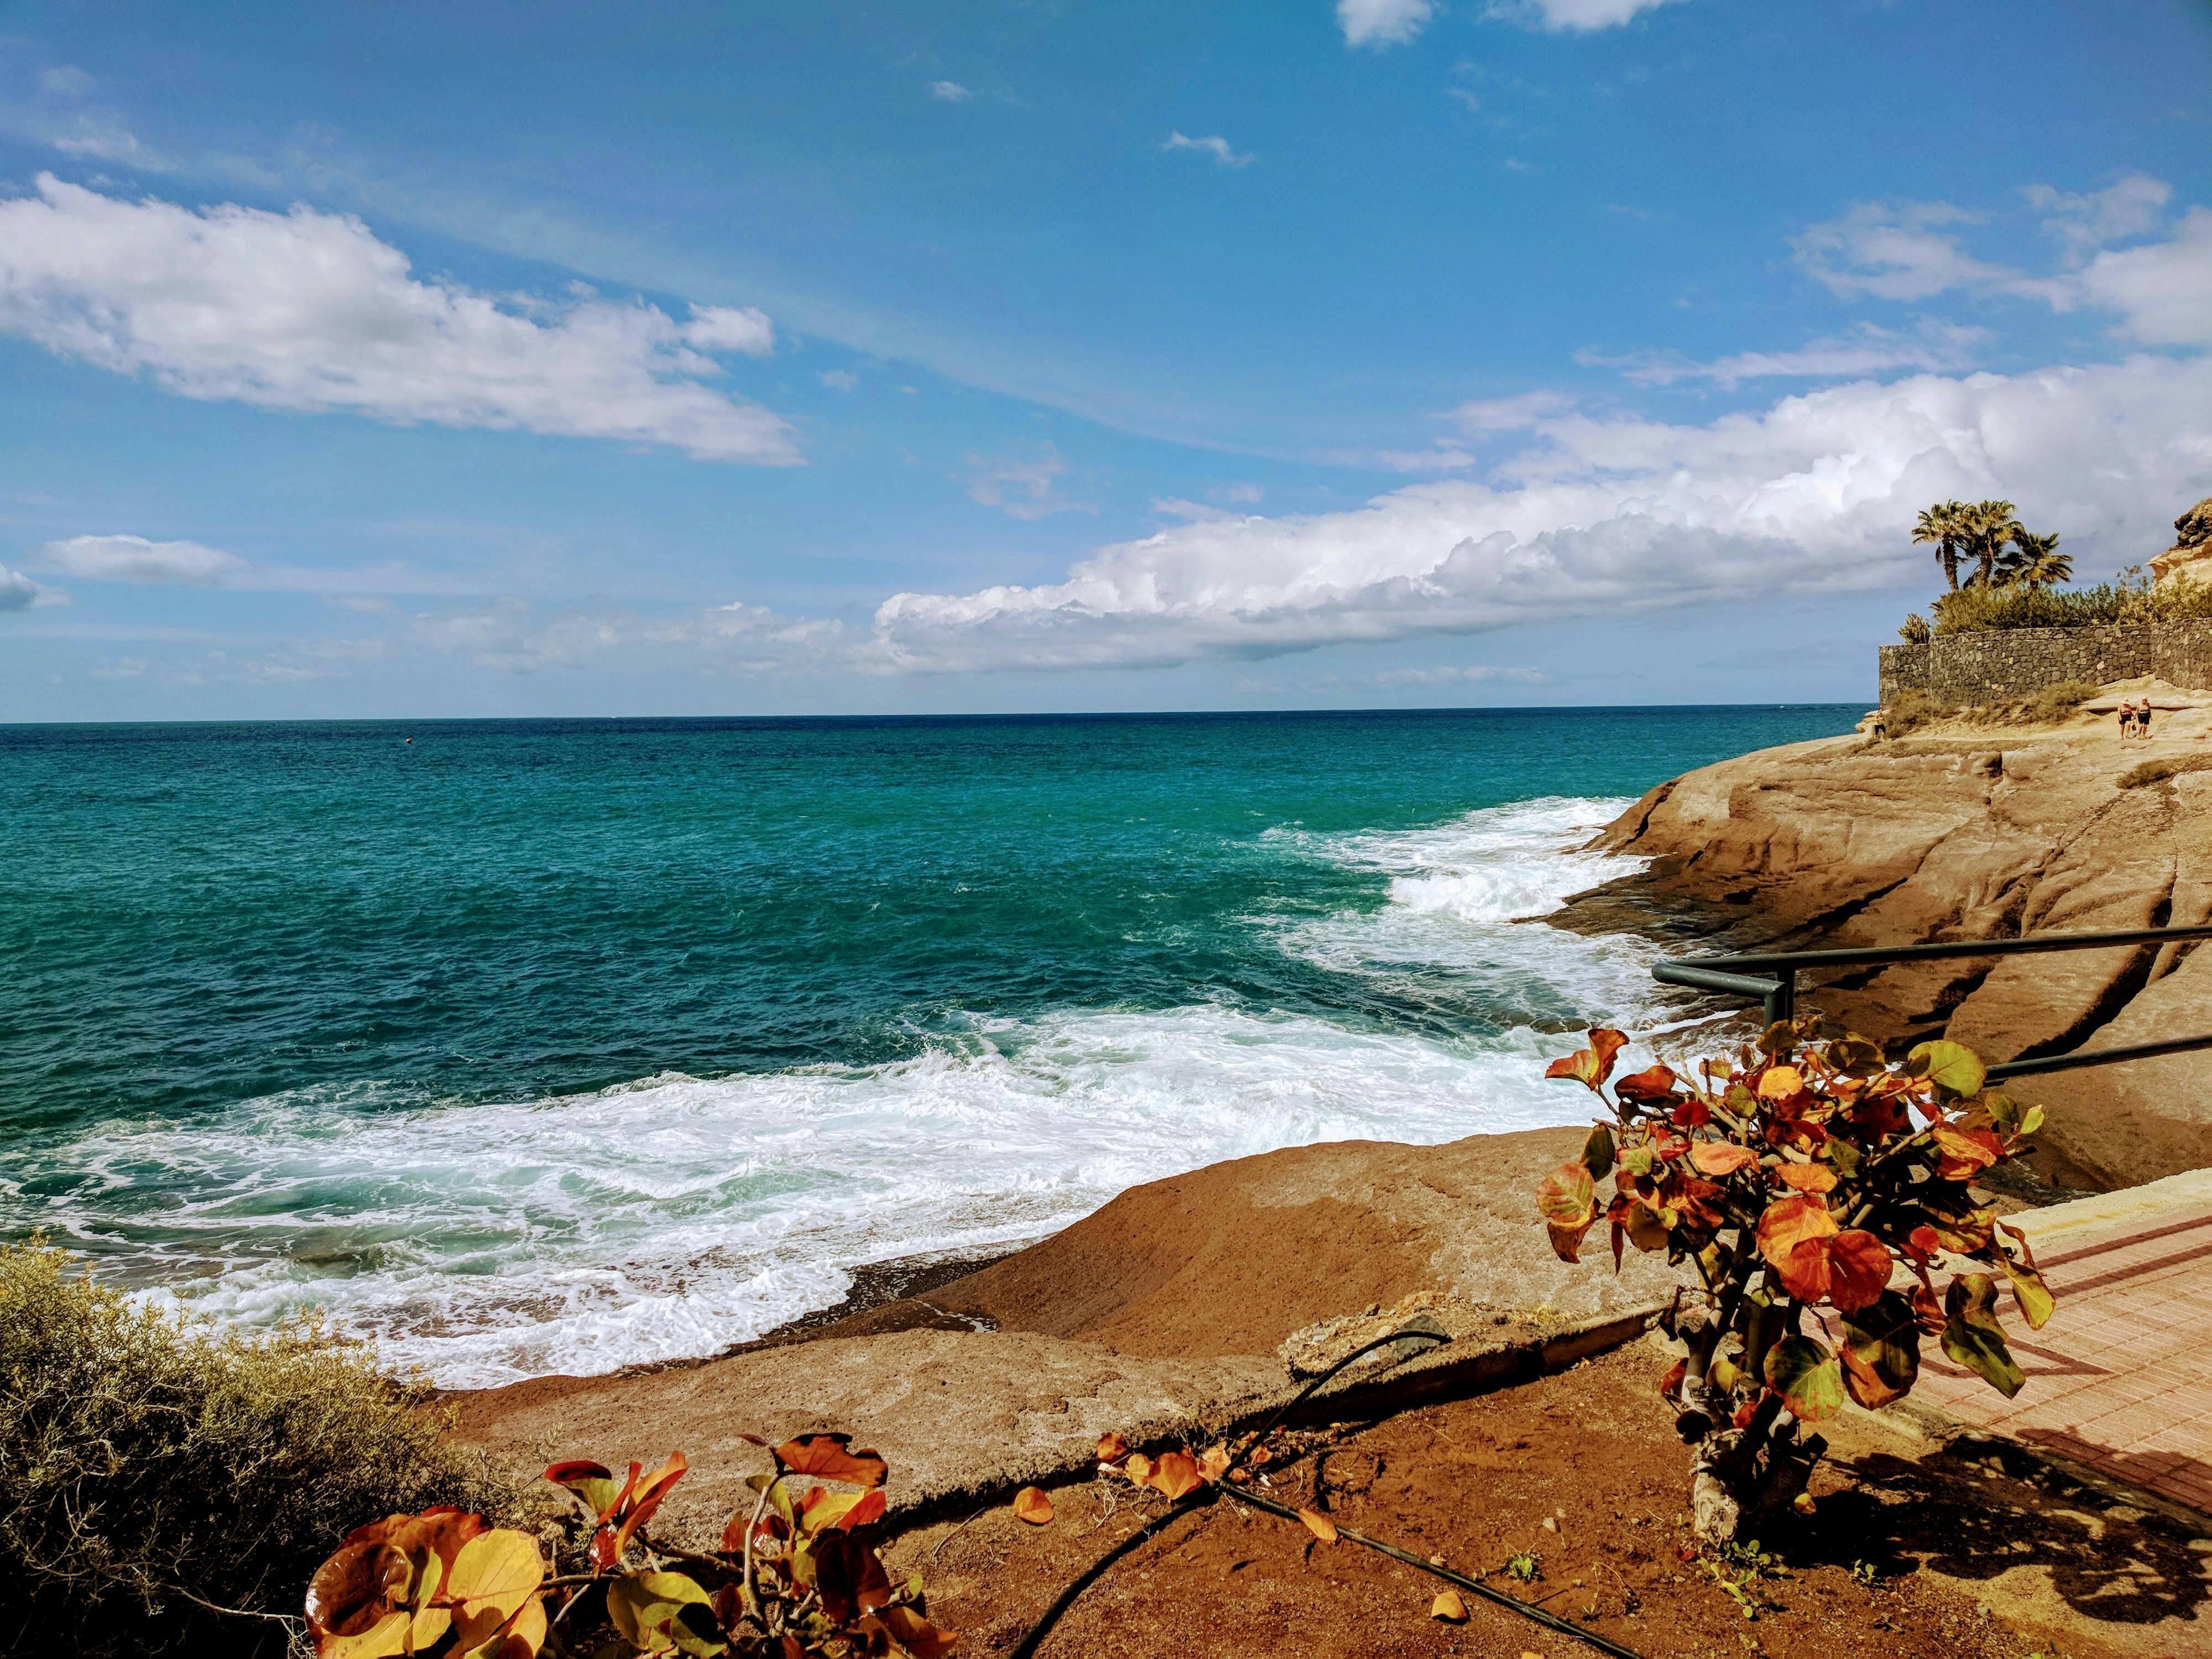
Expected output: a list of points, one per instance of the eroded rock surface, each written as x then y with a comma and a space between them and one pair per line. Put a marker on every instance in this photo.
1841, 842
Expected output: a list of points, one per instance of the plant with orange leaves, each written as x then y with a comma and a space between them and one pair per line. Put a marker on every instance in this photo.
1800, 1180
796, 1575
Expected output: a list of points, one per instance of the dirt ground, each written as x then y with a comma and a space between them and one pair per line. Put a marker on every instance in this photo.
1912, 1550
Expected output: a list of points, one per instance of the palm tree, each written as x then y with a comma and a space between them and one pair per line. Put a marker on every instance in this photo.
1940, 524
2036, 561
1984, 529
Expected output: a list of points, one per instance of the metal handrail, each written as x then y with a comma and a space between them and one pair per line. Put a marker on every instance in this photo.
1779, 992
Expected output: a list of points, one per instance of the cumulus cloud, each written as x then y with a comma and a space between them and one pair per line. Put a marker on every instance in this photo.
310, 311
135, 559
950, 92
1216, 147
64, 81
1814, 494
1023, 487
1869, 350
17, 590
1573, 16
1383, 23
839, 379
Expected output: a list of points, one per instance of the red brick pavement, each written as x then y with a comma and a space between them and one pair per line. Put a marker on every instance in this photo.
2117, 1379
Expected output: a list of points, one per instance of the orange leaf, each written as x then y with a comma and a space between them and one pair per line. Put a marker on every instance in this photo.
1448, 1607
1966, 1152
1806, 1272
1720, 1157
1567, 1197
1319, 1525
1215, 1463
647, 1499
920, 1639
1858, 1269
1652, 1083
1807, 1177
1789, 1222
1032, 1506
1176, 1474
1112, 1449
1139, 1469
824, 1455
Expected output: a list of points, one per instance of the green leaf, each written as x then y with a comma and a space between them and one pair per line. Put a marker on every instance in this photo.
1567, 1196
1780, 1038
645, 1605
1974, 1339
1806, 1377
1597, 1152
1882, 1350
2031, 1120
1951, 1067
2004, 1112
2032, 1296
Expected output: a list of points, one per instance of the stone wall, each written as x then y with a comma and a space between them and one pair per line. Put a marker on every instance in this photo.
2002, 664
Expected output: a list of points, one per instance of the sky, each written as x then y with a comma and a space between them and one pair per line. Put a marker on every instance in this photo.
980, 356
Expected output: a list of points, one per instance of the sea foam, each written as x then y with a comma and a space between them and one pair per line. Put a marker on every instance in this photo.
668, 1217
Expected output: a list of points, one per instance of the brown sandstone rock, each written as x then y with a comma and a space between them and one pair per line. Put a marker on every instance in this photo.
1843, 842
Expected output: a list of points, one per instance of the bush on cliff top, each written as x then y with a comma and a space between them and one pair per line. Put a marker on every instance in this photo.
2128, 601
157, 1466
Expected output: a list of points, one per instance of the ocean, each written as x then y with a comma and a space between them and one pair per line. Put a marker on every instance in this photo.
554, 1046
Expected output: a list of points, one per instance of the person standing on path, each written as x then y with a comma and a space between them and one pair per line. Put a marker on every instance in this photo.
2127, 718
2143, 720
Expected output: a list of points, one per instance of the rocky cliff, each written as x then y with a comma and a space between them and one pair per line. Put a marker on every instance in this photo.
1969, 835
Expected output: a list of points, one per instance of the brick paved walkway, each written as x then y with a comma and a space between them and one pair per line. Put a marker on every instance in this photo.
2119, 1379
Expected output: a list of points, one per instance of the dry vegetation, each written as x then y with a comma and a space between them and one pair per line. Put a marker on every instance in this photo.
160, 1470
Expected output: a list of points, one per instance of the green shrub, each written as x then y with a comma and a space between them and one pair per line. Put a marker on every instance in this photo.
158, 1468
2129, 600
1910, 708
1914, 630
2158, 771
2063, 698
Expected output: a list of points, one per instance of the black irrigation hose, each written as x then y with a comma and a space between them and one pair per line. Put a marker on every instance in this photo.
1549, 1620
1034, 1637
1027, 1647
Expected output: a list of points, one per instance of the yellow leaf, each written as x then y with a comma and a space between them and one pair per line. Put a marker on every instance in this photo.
1139, 1469
490, 1634
1032, 1506
388, 1635
497, 1569
1319, 1525
1780, 1082
1448, 1607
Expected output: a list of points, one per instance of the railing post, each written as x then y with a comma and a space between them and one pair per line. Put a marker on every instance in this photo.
1781, 1001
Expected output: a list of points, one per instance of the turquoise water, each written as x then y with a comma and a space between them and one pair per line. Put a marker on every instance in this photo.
539, 1046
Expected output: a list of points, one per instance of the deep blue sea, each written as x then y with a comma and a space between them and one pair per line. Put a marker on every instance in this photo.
556, 1045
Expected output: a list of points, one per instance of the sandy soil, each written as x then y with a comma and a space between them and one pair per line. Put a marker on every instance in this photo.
1592, 1451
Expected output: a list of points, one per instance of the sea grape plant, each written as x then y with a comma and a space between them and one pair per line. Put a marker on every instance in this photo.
1816, 1190
795, 1576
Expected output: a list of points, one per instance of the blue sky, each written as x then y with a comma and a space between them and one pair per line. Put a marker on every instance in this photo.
606, 359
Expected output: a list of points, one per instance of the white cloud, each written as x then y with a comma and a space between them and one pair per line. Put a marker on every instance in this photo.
17, 590
1216, 147
1814, 494
1894, 250
950, 92
1572, 16
1022, 489
1869, 350
730, 328
1900, 250
309, 311
64, 81
2162, 291
2131, 207
135, 559
838, 380
1238, 492
1383, 23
